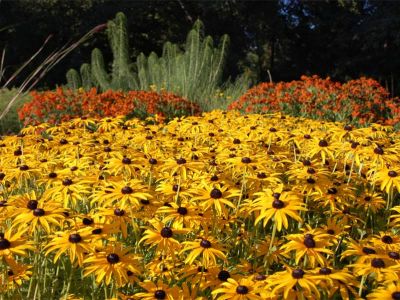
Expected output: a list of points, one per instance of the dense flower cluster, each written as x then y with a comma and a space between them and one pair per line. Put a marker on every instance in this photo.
222, 206
63, 105
362, 100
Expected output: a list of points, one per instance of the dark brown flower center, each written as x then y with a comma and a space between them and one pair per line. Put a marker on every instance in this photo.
367, 250
348, 128
87, 221
394, 255
392, 174
216, 194
74, 238
166, 232
378, 150
377, 263
38, 212
236, 141
181, 161
323, 143
97, 231
311, 171
67, 182
387, 239
278, 204
260, 277
52, 175
246, 160
205, 244
309, 242
298, 273
4, 244
311, 180
153, 161
214, 178
223, 275
396, 295
242, 290
126, 190
32, 204
261, 175
112, 258
160, 294
119, 212
182, 211
24, 168
126, 161
325, 271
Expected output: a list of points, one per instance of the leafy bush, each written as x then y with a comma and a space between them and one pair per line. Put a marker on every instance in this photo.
65, 104
194, 73
10, 123
358, 101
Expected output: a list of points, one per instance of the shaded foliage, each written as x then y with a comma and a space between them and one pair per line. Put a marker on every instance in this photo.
342, 39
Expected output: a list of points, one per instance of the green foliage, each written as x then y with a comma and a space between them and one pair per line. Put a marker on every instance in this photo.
194, 73
11, 123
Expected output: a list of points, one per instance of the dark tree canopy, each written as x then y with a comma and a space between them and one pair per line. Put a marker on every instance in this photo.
342, 39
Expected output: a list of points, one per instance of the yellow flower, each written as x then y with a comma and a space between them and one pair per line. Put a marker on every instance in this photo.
13, 243
389, 291
207, 250
75, 243
310, 246
277, 206
162, 237
282, 283
158, 290
236, 290
114, 262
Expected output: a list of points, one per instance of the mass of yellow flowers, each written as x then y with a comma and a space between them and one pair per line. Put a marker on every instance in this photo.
218, 206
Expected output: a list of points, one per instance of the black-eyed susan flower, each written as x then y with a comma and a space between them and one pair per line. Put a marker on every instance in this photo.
125, 194
389, 179
216, 198
158, 290
389, 291
181, 216
114, 262
14, 243
162, 237
277, 206
312, 246
39, 215
283, 283
206, 250
74, 243
236, 290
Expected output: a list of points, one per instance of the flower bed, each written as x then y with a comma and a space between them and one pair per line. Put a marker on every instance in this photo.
63, 105
358, 101
221, 206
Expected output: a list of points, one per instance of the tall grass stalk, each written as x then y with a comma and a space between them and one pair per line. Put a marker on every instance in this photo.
43, 68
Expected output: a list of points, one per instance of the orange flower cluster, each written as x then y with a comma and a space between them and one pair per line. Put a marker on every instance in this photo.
361, 101
63, 105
